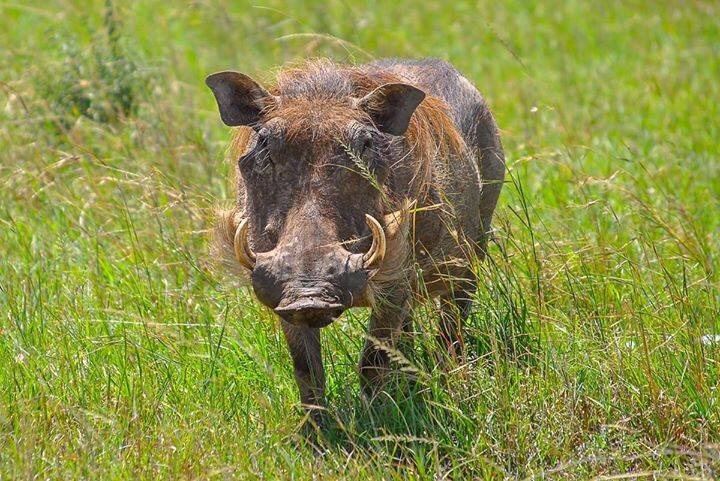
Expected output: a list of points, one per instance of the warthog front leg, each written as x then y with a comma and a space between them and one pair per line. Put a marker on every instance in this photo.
455, 307
387, 322
304, 345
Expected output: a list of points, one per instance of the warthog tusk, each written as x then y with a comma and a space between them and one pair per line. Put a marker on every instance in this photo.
377, 249
243, 252
395, 221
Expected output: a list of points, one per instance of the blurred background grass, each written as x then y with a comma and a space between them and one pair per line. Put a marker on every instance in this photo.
125, 353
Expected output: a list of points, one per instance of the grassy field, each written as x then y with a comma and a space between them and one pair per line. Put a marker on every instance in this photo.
125, 353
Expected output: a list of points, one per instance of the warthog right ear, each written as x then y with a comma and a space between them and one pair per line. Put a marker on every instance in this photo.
239, 98
391, 106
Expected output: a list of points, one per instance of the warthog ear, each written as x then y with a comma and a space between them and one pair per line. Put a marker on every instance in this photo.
390, 106
239, 98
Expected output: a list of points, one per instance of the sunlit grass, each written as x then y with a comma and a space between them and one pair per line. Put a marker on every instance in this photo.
126, 353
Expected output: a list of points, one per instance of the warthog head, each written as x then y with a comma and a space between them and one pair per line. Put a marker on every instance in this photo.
314, 176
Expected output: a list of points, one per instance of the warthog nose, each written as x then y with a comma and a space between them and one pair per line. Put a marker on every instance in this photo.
312, 311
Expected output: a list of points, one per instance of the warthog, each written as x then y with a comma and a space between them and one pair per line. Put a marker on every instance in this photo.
359, 186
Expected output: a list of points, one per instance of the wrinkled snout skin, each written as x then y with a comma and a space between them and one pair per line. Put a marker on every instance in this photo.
309, 286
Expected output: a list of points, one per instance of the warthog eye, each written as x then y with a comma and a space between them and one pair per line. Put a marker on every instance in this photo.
362, 151
263, 162
366, 143
365, 148
361, 145
258, 162
258, 158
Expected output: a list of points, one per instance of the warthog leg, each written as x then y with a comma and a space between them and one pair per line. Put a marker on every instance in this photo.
454, 309
387, 321
304, 345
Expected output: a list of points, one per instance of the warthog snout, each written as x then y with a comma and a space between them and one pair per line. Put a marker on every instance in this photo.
308, 279
312, 286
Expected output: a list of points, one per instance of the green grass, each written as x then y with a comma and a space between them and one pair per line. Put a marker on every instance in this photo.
125, 353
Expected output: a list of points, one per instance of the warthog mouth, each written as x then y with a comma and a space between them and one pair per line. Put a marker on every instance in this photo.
311, 311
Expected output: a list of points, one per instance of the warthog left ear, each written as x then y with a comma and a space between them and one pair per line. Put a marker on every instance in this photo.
391, 106
239, 98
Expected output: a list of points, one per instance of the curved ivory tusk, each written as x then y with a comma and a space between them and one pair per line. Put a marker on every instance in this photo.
396, 221
377, 249
243, 252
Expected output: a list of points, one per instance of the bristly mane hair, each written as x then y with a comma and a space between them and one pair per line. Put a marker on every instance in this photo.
431, 134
